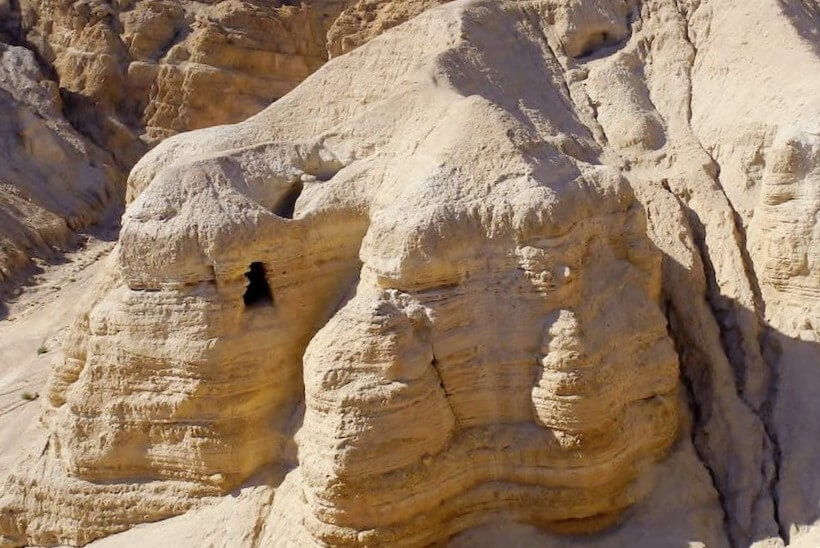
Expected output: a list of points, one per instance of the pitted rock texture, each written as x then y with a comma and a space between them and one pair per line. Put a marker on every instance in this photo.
364, 20
122, 76
501, 277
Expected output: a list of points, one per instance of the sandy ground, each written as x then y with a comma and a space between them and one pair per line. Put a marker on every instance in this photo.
30, 340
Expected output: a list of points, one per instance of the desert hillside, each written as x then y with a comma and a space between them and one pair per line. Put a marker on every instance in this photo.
88, 87
484, 272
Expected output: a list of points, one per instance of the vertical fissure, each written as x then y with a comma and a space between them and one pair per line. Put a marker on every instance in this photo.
688, 379
287, 206
764, 344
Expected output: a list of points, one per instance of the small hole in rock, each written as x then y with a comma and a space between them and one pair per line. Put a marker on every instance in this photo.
596, 42
287, 206
258, 291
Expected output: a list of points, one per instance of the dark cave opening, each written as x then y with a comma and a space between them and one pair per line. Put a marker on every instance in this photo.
257, 291
287, 206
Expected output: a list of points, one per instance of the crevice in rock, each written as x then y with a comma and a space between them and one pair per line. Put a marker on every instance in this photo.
179, 35
722, 310
537, 26
435, 365
725, 315
697, 377
10, 27
771, 351
738, 362
696, 406
688, 39
727, 318
287, 206
596, 133
740, 231
12, 30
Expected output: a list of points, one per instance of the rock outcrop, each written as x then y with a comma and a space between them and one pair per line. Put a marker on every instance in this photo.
494, 266
363, 20
120, 77
137, 71
52, 181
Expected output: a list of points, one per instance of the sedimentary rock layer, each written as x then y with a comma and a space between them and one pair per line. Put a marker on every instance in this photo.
138, 71
485, 268
52, 181
122, 76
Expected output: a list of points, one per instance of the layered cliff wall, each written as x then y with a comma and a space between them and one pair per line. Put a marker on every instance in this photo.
138, 71
530, 251
117, 78
53, 182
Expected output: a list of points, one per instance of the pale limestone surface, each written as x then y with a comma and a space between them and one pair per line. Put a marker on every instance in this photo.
53, 182
514, 294
121, 76
363, 20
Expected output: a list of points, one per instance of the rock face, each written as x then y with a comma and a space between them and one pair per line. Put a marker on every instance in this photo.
52, 181
121, 76
137, 71
498, 278
365, 19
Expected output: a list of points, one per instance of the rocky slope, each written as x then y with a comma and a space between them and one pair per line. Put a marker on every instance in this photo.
138, 71
53, 182
507, 271
364, 20
118, 77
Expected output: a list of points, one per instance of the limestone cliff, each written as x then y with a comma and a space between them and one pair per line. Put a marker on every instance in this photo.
121, 76
137, 71
52, 181
510, 262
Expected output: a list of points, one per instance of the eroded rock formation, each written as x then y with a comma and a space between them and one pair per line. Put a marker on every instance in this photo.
363, 20
487, 268
52, 181
138, 71
121, 76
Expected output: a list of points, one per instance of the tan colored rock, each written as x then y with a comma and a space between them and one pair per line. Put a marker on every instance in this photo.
138, 71
129, 74
52, 182
497, 287
756, 113
403, 325
367, 19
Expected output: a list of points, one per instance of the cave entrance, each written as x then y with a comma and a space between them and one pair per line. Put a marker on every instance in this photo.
287, 206
258, 291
